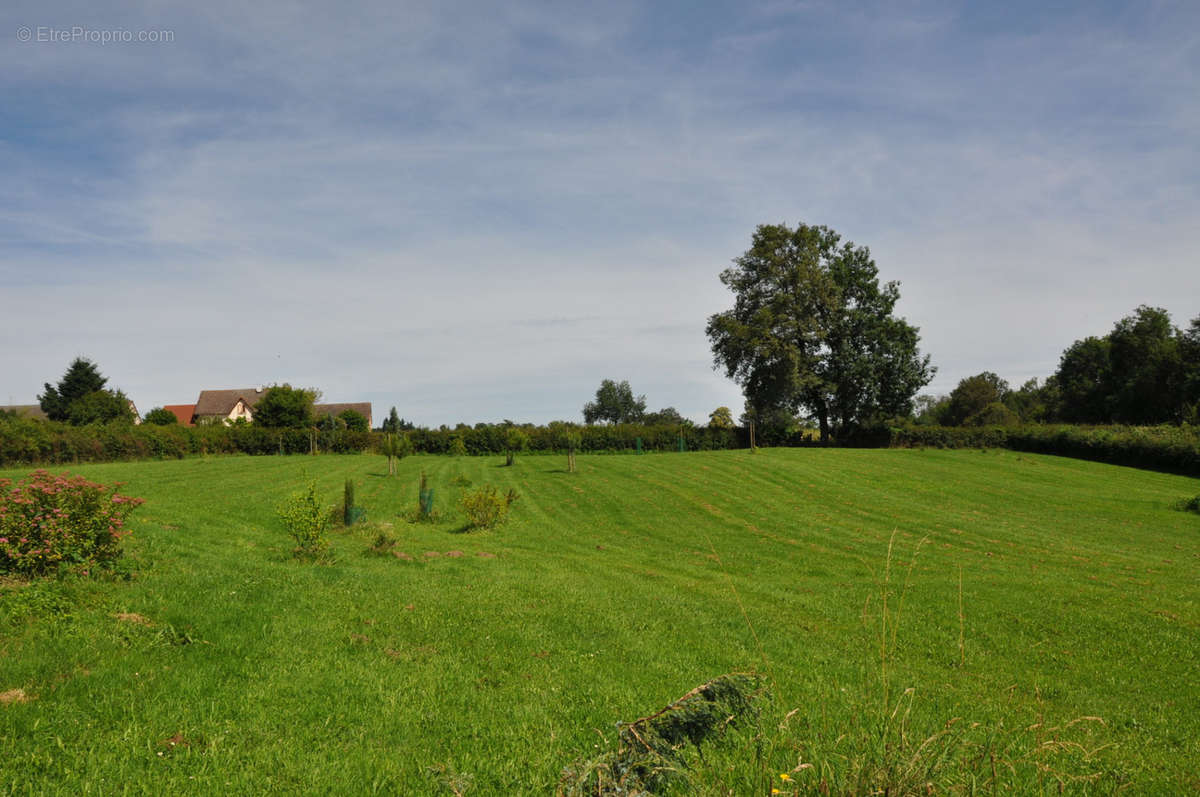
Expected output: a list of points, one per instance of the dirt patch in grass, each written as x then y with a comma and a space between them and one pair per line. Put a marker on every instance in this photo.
133, 617
14, 696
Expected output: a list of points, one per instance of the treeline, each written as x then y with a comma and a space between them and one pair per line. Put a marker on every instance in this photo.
1145, 371
35, 442
1165, 447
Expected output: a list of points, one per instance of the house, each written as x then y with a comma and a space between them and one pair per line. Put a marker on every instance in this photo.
27, 411
363, 408
184, 413
215, 406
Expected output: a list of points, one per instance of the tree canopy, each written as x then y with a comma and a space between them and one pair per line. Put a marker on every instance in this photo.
355, 421
1145, 371
615, 403
721, 418
812, 329
81, 378
160, 416
972, 396
285, 406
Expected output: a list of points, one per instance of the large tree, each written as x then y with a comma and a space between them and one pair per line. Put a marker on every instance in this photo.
972, 395
285, 406
81, 379
812, 329
615, 403
1138, 373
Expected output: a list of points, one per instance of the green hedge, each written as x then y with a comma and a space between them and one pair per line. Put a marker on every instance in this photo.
490, 439
1171, 448
35, 442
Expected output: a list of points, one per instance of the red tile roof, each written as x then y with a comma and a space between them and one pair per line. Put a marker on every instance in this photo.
183, 412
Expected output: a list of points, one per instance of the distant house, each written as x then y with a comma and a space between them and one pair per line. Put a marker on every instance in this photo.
184, 413
215, 406
363, 408
29, 411
36, 413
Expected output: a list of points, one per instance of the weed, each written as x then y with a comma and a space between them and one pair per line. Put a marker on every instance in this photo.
383, 544
1192, 505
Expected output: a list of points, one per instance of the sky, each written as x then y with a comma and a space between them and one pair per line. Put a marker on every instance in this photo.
478, 211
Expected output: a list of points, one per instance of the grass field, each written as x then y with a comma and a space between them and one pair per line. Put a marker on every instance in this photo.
1035, 628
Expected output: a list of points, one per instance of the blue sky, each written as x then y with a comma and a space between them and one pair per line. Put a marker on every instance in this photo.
478, 211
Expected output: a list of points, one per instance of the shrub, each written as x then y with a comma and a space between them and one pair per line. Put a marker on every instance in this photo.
306, 519
458, 448
1191, 506
486, 508
49, 521
160, 416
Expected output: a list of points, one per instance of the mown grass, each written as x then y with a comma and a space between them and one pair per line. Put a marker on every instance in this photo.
1068, 660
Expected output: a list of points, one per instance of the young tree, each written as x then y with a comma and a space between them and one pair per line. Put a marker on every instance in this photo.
82, 377
286, 407
515, 441
391, 423
160, 417
812, 329
615, 403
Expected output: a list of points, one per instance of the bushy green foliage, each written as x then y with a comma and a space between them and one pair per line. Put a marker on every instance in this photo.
515, 441
972, 397
1173, 448
284, 406
615, 403
306, 520
49, 521
354, 421
811, 328
160, 417
721, 418
100, 406
1143, 372
81, 378
486, 507
994, 414
1191, 505
458, 447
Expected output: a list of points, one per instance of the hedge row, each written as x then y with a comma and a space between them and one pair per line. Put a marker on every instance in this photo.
30, 442
1170, 448
490, 439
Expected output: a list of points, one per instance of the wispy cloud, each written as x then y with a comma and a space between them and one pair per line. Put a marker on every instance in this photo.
478, 212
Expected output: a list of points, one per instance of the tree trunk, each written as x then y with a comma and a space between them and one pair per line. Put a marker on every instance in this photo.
823, 420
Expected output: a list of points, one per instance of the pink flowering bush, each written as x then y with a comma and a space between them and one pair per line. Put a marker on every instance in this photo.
49, 521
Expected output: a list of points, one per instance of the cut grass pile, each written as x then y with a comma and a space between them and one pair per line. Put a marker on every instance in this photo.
980, 622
